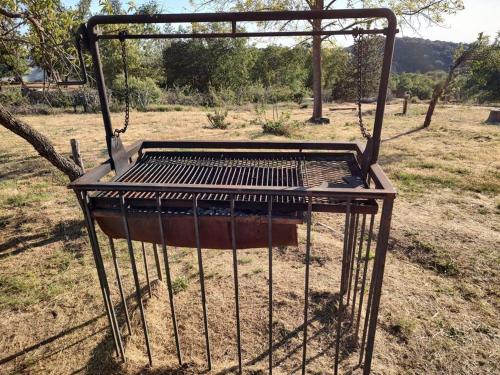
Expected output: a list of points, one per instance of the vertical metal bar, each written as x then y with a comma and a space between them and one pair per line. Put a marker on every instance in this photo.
146, 269
347, 228
270, 272
358, 262
352, 250
157, 262
169, 280
202, 279
382, 95
120, 286
368, 311
136, 277
114, 320
236, 284
306, 286
363, 279
342, 284
379, 264
101, 88
82, 198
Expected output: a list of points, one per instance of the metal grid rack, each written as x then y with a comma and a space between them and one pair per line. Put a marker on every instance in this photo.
206, 195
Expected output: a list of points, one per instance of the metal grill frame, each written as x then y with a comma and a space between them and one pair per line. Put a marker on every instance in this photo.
359, 292
357, 233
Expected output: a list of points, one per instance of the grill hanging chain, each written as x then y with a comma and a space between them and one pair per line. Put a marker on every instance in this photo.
117, 132
359, 40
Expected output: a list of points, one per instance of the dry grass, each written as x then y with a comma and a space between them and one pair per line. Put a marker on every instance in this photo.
440, 305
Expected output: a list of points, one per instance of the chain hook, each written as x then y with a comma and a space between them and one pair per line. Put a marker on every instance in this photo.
359, 40
122, 37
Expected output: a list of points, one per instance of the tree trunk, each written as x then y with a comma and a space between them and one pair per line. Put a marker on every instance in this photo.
494, 117
41, 144
316, 61
316, 66
438, 91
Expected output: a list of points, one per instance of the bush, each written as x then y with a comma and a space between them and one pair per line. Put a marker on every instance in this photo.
184, 95
142, 92
59, 98
12, 97
86, 97
218, 118
280, 124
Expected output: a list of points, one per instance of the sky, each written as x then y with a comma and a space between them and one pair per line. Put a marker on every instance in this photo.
478, 15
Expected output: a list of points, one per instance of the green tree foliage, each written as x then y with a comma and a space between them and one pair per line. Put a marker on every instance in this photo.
410, 12
336, 68
416, 84
482, 81
281, 66
422, 55
200, 64
40, 39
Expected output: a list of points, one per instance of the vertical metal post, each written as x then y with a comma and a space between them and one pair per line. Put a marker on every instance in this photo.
120, 286
342, 284
157, 262
270, 272
146, 269
306, 284
352, 251
358, 263
236, 285
169, 280
202, 279
379, 264
367, 315
363, 287
101, 88
345, 254
136, 277
382, 93
114, 320
108, 304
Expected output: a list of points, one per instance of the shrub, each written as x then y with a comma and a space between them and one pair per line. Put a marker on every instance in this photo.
184, 95
143, 92
218, 118
59, 99
86, 97
280, 124
12, 97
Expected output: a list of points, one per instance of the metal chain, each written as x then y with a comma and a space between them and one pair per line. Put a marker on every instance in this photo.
127, 90
359, 51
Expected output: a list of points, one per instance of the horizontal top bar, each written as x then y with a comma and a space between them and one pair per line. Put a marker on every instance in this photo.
246, 17
260, 34
260, 145
344, 193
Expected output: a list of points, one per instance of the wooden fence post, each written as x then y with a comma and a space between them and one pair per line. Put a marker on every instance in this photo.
405, 103
75, 152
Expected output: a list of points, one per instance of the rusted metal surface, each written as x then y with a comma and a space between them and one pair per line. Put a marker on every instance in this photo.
215, 233
244, 194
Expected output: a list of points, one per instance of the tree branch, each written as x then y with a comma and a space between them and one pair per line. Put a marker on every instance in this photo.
42, 144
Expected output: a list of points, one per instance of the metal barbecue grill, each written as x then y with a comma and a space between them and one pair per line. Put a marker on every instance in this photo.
238, 195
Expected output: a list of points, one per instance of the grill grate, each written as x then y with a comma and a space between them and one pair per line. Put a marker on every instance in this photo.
241, 169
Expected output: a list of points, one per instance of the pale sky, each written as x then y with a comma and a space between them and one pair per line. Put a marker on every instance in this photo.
478, 15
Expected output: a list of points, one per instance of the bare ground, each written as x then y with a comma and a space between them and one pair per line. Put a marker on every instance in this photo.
440, 304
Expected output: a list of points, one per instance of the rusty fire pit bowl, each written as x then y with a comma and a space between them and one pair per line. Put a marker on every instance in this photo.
215, 231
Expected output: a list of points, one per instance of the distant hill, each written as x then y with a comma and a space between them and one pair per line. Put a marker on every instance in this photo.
422, 55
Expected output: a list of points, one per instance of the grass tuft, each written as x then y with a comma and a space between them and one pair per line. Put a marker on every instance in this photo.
179, 284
